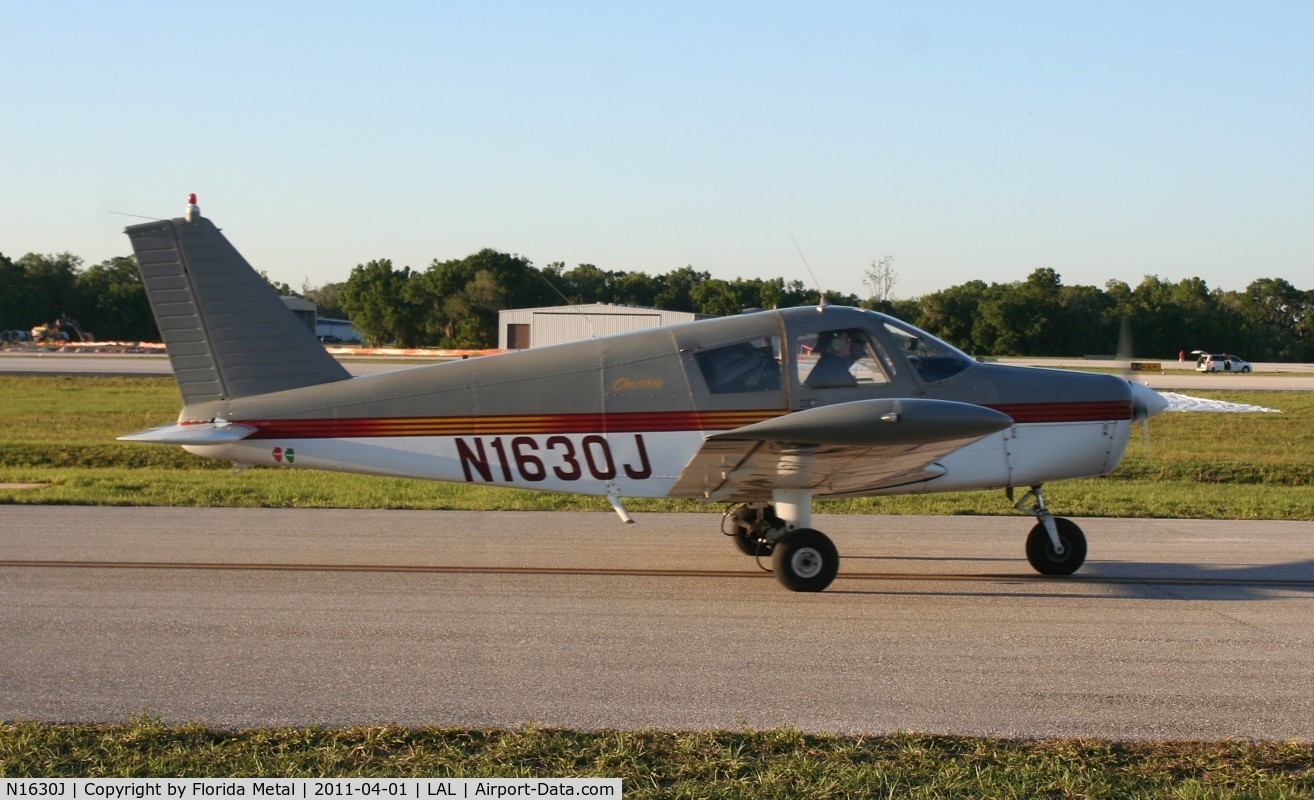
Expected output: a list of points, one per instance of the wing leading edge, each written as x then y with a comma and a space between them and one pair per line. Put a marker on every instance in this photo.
849, 448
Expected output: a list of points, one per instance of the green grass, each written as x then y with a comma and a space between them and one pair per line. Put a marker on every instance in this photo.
781, 763
59, 432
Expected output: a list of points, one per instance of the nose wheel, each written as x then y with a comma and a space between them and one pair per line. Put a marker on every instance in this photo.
1048, 560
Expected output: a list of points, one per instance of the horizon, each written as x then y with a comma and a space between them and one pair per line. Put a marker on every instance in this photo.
863, 294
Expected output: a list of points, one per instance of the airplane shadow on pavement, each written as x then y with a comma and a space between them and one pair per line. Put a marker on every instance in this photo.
1117, 579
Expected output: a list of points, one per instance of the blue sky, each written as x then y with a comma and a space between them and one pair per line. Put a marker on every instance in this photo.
967, 140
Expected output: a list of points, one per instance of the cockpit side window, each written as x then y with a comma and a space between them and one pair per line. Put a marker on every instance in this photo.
837, 359
752, 366
933, 359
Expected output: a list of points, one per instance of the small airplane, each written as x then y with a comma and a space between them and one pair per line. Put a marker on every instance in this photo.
765, 411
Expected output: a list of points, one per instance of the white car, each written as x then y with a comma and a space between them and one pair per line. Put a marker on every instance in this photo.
1219, 362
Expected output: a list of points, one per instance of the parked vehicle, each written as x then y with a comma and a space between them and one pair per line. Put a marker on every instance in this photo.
61, 330
1219, 362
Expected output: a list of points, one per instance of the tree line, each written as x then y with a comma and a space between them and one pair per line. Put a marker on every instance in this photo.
454, 304
106, 298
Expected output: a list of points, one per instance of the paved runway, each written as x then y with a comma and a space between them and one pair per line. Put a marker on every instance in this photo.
137, 365
1174, 629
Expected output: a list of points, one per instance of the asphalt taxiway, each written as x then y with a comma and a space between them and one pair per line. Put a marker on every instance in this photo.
142, 365
251, 617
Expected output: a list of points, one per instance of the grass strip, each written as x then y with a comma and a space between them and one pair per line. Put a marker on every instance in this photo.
780, 763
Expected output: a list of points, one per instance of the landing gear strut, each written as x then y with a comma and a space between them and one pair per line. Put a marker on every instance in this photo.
1055, 546
803, 559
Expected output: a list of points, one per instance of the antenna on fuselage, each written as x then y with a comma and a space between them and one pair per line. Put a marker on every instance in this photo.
137, 216
575, 306
821, 294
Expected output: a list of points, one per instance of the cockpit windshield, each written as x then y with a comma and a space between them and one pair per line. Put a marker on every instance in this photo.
933, 359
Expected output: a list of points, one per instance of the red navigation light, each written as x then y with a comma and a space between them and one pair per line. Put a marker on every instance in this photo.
191, 199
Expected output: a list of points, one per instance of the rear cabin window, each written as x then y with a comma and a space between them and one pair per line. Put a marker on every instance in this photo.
752, 366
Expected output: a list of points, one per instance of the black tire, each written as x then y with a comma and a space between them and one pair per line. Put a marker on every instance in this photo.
805, 561
1040, 552
753, 547
1244, 370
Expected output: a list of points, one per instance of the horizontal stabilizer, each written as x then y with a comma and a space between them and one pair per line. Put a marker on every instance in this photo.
197, 433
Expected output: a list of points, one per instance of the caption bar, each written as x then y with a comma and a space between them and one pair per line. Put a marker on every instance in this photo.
306, 788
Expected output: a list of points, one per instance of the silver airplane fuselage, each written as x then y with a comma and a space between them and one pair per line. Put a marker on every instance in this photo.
624, 415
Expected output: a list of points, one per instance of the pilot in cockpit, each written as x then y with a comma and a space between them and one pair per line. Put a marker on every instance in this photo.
839, 351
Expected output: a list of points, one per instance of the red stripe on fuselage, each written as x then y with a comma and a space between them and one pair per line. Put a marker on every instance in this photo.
1097, 411
366, 427
372, 427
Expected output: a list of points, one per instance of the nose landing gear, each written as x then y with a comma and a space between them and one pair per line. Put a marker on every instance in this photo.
1055, 546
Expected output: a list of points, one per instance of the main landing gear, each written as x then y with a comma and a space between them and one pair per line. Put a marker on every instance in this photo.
803, 559
1055, 546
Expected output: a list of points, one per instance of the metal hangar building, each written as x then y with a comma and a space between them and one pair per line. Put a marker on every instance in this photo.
522, 328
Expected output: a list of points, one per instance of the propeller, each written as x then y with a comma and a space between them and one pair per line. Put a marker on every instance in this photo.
1146, 402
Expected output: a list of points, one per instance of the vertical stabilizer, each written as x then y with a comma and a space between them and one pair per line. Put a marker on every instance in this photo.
227, 332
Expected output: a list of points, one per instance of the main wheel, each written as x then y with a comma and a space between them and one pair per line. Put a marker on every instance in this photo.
753, 547
805, 561
1040, 551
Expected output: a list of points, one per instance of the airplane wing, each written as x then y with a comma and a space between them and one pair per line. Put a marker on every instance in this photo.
198, 433
848, 448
